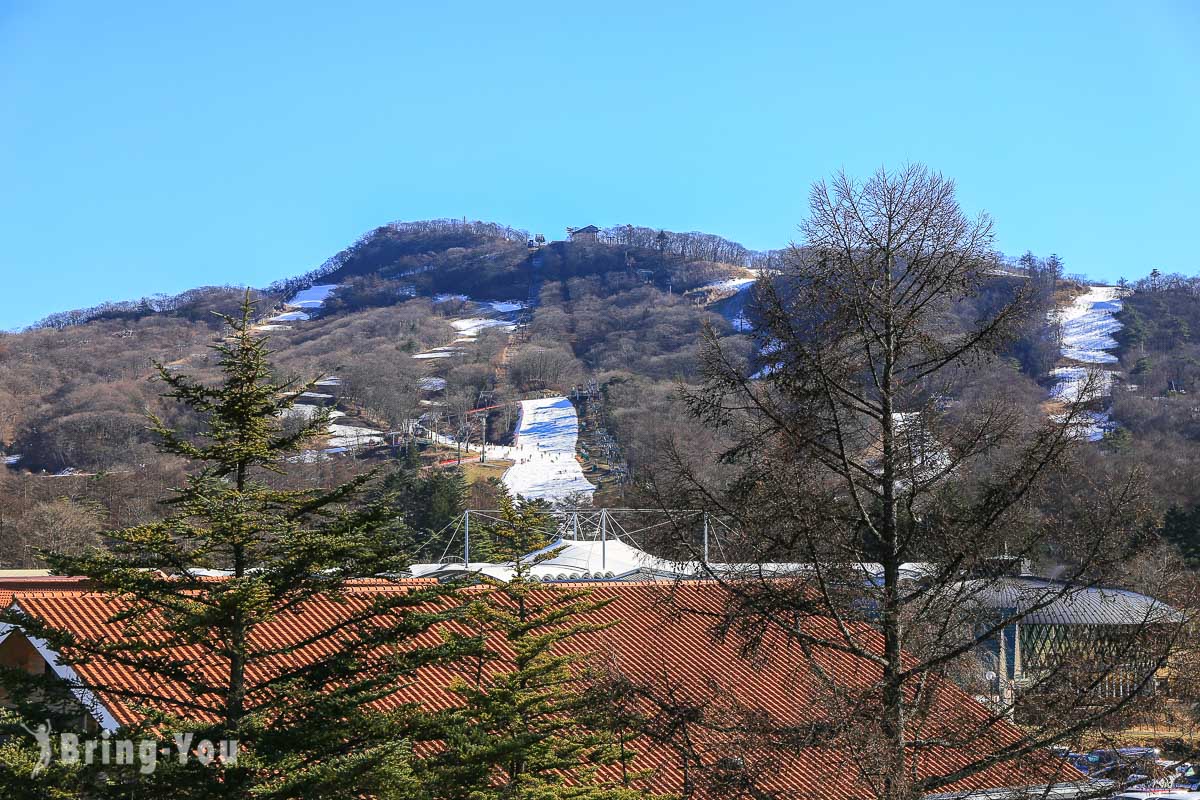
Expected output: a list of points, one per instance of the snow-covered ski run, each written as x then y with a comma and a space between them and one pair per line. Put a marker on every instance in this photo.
545, 466
1088, 327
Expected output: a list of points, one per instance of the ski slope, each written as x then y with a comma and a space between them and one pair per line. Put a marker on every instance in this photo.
312, 297
1088, 327
544, 452
289, 316
1072, 384
297, 307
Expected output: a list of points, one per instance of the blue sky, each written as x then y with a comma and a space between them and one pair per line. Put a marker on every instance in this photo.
152, 147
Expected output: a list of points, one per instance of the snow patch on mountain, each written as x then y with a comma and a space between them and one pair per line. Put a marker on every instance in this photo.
313, 296
470, 327
731, 284
505, 306
340, 437
289, 316
432, 384
1088, 327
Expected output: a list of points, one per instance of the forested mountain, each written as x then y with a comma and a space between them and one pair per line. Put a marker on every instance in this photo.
622, 311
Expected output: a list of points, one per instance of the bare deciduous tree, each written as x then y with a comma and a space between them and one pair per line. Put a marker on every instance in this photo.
884, 492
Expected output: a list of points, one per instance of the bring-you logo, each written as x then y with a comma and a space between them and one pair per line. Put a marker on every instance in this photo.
144, 754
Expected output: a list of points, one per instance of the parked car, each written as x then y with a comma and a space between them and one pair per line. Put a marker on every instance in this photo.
1129, 765
1189, 777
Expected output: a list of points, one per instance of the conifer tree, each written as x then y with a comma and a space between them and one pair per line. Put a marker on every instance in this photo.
528, 727
1181, 527
429, 502
305, 727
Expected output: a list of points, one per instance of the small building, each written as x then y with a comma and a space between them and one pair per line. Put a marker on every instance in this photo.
589, 233
1057, 622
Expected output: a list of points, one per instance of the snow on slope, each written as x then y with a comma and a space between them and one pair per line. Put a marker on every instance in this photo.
1071, 384
1088, 326
352, 436
297, 308
469, 328
732, 284
432, 384
289, 316
312, 297
544, 452
340, 437
505, 306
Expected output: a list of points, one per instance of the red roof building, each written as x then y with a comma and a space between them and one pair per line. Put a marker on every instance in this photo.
661, 641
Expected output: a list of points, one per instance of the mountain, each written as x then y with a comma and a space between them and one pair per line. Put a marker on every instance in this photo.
416, 326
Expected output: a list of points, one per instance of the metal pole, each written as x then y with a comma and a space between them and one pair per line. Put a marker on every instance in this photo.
467, 539
705, 537
603, 540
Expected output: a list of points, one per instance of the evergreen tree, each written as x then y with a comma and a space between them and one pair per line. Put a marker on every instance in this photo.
1181, 527
1028, 262
529, 726
305, 726
1173, 332
429, 502
22, 775
1133, 329
1053, 269
522, 528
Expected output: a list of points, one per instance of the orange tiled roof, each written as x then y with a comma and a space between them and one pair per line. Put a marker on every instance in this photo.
656, 645
9, 585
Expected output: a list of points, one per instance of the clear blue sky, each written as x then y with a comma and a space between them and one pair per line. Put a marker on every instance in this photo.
152, 147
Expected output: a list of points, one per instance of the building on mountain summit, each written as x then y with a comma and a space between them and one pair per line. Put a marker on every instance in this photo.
589, 233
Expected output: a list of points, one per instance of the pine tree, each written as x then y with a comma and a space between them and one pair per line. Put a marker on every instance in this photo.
1181, 527
529, 726
22, 775
1054, 270
305, 727
1133, 329
430, 502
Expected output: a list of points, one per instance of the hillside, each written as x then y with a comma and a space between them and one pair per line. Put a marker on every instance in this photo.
426, 340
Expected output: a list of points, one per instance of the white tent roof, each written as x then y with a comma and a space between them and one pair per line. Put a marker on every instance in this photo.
576, 559
582, 559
